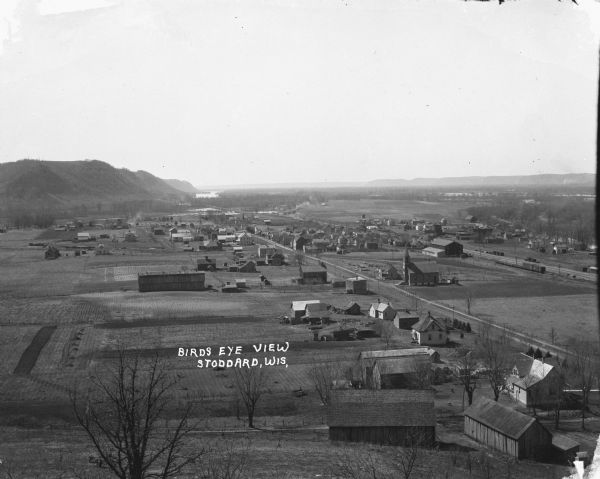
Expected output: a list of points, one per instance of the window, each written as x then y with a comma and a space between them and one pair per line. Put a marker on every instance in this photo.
429, 337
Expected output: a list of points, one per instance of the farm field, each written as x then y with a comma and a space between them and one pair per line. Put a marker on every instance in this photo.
92, 308
349, 211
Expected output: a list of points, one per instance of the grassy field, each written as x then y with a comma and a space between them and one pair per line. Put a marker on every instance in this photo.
93, 304
349, 211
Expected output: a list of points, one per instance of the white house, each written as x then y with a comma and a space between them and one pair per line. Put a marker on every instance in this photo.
382, 311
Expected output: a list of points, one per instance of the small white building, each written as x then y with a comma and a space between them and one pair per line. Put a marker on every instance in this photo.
382, 311
84, 236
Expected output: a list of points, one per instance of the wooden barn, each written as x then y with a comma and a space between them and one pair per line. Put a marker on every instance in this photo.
390, 417
506, 430
448, 246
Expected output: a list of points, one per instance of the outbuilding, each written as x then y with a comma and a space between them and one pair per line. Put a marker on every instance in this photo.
356, 285
394, 417
507, 430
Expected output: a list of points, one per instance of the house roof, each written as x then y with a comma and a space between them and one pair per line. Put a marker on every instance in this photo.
301, 305
427, 323
313, 269
316, 307
407, 314
382, 407
538, 371
564, 443
394, 353
423, 267
505, 420
442, 242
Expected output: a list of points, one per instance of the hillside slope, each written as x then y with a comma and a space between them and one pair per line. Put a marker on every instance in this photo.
79, 182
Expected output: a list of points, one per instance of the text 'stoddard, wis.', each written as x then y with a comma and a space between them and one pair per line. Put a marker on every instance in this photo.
232, 356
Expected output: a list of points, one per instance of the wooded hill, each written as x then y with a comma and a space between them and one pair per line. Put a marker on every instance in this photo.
73, 183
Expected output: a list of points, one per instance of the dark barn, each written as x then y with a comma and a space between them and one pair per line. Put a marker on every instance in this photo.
312, 275
450, 247
170, 282
391, 417
506, 430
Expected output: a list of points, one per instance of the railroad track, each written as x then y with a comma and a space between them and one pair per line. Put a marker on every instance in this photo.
393, 290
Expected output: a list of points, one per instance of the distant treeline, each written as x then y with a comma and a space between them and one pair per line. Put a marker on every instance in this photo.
26, 216
572, 217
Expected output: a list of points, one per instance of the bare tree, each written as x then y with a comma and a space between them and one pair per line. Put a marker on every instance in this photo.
226, 459
124, 415
322, 377
354, 465
423, 374
557, 387
250, 383
408, 455
386, 331
584, 365
466, 373
492, 351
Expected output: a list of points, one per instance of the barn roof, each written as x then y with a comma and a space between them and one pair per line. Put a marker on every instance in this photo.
423, 267
442, 242
564, 443
405, 365
505, 420
381, 407
407, 314
427, 322
394, 353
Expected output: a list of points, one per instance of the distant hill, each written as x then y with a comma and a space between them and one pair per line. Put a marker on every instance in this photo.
64, 183
182, 185
575, 179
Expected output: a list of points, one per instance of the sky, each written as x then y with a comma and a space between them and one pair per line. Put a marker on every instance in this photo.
275, 91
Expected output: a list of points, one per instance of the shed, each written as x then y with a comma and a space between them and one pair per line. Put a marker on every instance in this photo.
565, 449
298, 308
351, 307
206, 264
382, 311
507, 430
392, 417
313, 275
356, 285
405, 319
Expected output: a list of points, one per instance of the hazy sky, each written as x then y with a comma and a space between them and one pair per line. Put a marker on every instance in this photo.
258, 91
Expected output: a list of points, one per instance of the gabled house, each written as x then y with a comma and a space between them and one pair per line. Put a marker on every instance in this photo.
394, 368
430, 330
382, 311
538, 387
